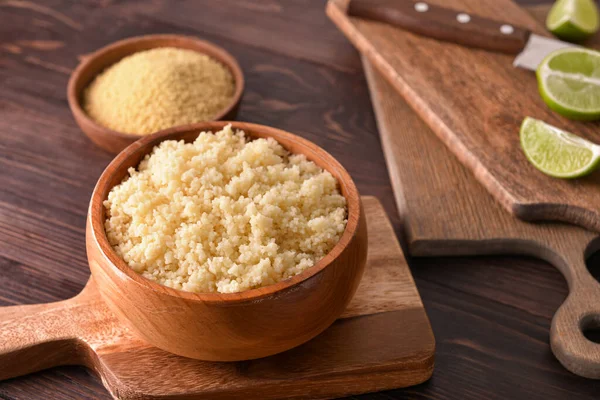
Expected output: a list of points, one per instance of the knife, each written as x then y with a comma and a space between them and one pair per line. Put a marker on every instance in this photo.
426, 19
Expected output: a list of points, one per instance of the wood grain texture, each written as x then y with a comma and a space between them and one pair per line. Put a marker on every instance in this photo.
382, 341
96, 62
426, 177
229, 326
475, 101
490, 315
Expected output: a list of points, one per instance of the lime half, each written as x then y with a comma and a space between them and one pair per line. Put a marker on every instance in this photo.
569, 82
573, 20
557, 153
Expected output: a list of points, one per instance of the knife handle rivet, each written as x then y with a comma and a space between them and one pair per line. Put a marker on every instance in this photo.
463, 18
507, 29
421, 7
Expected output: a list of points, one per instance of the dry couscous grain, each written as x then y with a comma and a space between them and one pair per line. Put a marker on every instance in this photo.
224, 214
157, 89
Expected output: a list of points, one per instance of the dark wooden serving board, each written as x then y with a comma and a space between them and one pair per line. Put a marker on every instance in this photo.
446, 212
475, 101
382, 341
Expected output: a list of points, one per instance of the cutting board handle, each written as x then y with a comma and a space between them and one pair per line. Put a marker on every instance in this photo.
40, 336
426, 19
579, 312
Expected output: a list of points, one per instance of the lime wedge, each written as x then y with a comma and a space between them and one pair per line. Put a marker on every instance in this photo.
555, 152
573, 20
569, 82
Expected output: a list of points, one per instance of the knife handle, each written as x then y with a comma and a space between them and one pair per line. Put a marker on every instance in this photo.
426, 19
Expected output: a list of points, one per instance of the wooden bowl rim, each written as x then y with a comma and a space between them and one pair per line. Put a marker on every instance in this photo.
216, 52
143, 145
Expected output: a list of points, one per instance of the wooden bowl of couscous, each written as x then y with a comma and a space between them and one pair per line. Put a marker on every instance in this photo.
138, 86
164, 300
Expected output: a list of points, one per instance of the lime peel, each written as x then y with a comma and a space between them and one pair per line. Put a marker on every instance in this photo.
573, 20
557, 153
565, 87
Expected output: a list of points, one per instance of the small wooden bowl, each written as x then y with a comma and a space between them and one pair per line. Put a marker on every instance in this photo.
234, 326
98, 61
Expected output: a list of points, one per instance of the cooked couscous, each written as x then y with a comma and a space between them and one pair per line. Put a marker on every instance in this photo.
157, 89
224, 214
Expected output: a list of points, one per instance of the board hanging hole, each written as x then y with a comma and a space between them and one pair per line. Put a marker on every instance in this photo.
590, 327
590, 323
593, 264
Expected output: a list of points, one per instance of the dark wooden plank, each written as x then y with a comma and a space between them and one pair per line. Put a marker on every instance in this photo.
310, 100
307, 33
479, 327
67, 165
495, 347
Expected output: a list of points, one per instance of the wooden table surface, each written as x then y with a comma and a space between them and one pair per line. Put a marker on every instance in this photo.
491, 316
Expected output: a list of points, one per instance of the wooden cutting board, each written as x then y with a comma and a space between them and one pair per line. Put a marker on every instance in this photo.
474, 101
383, 341
467, 220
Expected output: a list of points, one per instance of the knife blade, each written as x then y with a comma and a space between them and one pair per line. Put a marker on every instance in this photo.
459, 27
536, 49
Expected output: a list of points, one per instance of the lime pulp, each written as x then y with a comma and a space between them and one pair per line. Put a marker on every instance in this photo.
556, 152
